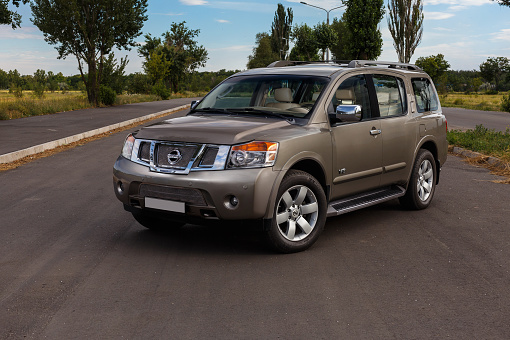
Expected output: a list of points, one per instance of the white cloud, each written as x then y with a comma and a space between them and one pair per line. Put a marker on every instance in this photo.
6, 32
443, 29
235, 48
504, 35
437, 15
193, 2
221, 21
465, 3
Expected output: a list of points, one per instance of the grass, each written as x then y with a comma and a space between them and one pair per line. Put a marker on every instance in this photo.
475, 101
482, 140
29, 105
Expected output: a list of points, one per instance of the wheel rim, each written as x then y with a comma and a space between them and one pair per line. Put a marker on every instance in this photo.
425, 180
297, 212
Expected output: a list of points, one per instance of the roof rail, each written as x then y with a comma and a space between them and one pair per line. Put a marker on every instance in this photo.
282, 63
364, 63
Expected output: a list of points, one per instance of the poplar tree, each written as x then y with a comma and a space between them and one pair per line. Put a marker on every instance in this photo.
281, 30
406, 26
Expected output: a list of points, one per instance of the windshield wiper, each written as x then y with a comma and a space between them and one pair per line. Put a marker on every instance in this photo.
212, 110
251, 110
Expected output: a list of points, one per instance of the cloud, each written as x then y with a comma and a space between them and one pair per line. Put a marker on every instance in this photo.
221, 21
235, 48
193, 2
463, 3
437, 15
443, 29
6, 32
504, 35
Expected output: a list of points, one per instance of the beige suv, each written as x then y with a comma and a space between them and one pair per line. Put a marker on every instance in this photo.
289, 145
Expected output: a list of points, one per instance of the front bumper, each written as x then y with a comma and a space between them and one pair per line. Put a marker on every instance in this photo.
206, 194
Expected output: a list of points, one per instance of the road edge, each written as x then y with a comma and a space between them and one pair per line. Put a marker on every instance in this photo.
17, 155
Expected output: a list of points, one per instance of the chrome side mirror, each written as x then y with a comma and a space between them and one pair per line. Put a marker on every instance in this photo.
194, 103
348, 113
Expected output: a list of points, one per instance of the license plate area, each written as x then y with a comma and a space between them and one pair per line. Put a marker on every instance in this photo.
173, 206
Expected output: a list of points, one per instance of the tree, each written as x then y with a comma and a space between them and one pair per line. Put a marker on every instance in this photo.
89, 29
325, 36
113, 73
305, 45
8, 17
339, 46
263, 54
281, 30
406, 26
434, 65
503, 2
362, 18
181, 51
494, 69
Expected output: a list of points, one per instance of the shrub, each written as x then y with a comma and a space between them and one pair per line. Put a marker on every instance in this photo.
458, 101
107, 96
161, 90
505, 103
39, 90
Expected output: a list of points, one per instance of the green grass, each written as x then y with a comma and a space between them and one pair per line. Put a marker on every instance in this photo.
488, 142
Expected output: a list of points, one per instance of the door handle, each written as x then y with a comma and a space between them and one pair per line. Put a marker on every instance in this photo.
375, 132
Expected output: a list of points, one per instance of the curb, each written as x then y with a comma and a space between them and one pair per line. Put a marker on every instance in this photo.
496, 162
16, 155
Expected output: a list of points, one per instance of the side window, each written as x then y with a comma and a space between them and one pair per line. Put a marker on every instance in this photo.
351, 101
426, 98
390, 95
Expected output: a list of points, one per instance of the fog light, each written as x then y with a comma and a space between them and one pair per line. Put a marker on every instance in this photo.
234, 201
120, 187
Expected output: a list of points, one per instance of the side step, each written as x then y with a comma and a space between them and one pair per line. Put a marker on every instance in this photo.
364, 200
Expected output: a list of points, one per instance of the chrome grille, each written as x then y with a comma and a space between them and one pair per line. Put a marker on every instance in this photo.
186, 195
209, 156
174, 156
145, 151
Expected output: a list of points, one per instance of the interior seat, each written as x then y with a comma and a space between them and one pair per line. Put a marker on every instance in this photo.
283, 97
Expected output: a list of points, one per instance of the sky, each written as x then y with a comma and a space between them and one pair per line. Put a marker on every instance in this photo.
466, 32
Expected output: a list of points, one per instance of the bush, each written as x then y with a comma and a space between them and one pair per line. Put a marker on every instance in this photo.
39, 90
161, 90
107, 96
505, 103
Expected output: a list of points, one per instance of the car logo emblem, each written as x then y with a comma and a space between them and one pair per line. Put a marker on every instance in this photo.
174, 156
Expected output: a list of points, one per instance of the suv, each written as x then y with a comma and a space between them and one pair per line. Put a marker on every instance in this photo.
289, 145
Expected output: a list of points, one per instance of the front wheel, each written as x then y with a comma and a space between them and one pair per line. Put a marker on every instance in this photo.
422, 185
300, 213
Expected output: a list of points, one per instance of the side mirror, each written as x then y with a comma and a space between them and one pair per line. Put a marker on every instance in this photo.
348, 113
194, 103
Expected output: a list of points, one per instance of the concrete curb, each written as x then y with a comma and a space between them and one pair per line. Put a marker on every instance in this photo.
496, 162
16, 155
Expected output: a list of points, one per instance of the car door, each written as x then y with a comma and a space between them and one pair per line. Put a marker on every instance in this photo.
356, 136
398, 128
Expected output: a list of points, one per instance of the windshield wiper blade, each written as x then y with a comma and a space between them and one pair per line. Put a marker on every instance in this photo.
212, 110
251, 110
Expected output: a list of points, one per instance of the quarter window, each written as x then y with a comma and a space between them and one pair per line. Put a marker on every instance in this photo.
426, 98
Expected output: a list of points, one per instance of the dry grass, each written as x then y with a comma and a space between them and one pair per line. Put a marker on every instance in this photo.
475, 101
502, 169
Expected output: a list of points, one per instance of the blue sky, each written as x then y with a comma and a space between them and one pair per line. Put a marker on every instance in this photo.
467, 32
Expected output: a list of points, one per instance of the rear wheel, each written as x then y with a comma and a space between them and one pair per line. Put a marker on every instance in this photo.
155, 222
300, 213
422, 185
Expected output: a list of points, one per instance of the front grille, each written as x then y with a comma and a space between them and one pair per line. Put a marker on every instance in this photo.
174, 156
209, 156
145, 151
186, 195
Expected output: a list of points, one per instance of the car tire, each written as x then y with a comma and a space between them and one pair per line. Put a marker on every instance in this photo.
422, 184
299, 213
154, 222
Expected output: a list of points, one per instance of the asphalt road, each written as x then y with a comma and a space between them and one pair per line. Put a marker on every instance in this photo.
462, 119
74, 265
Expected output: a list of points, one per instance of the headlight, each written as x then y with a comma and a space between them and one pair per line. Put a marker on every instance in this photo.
253, 155
127, 150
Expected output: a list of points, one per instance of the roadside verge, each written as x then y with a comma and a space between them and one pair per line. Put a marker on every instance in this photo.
17, 155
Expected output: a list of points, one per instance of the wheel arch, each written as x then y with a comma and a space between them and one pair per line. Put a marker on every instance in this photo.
432, 147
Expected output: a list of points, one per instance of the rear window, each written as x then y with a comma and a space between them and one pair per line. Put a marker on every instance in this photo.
426, 97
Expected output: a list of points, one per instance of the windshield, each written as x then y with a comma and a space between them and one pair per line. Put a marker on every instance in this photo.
270, 95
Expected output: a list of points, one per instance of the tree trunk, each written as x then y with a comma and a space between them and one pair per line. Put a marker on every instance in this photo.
93, 86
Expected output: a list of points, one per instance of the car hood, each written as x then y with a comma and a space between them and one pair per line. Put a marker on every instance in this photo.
213, 129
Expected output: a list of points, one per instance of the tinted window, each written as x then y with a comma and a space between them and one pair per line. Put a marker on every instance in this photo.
426, 98
352, 91
390, 95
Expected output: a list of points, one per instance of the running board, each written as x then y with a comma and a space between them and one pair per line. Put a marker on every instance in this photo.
364, 200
